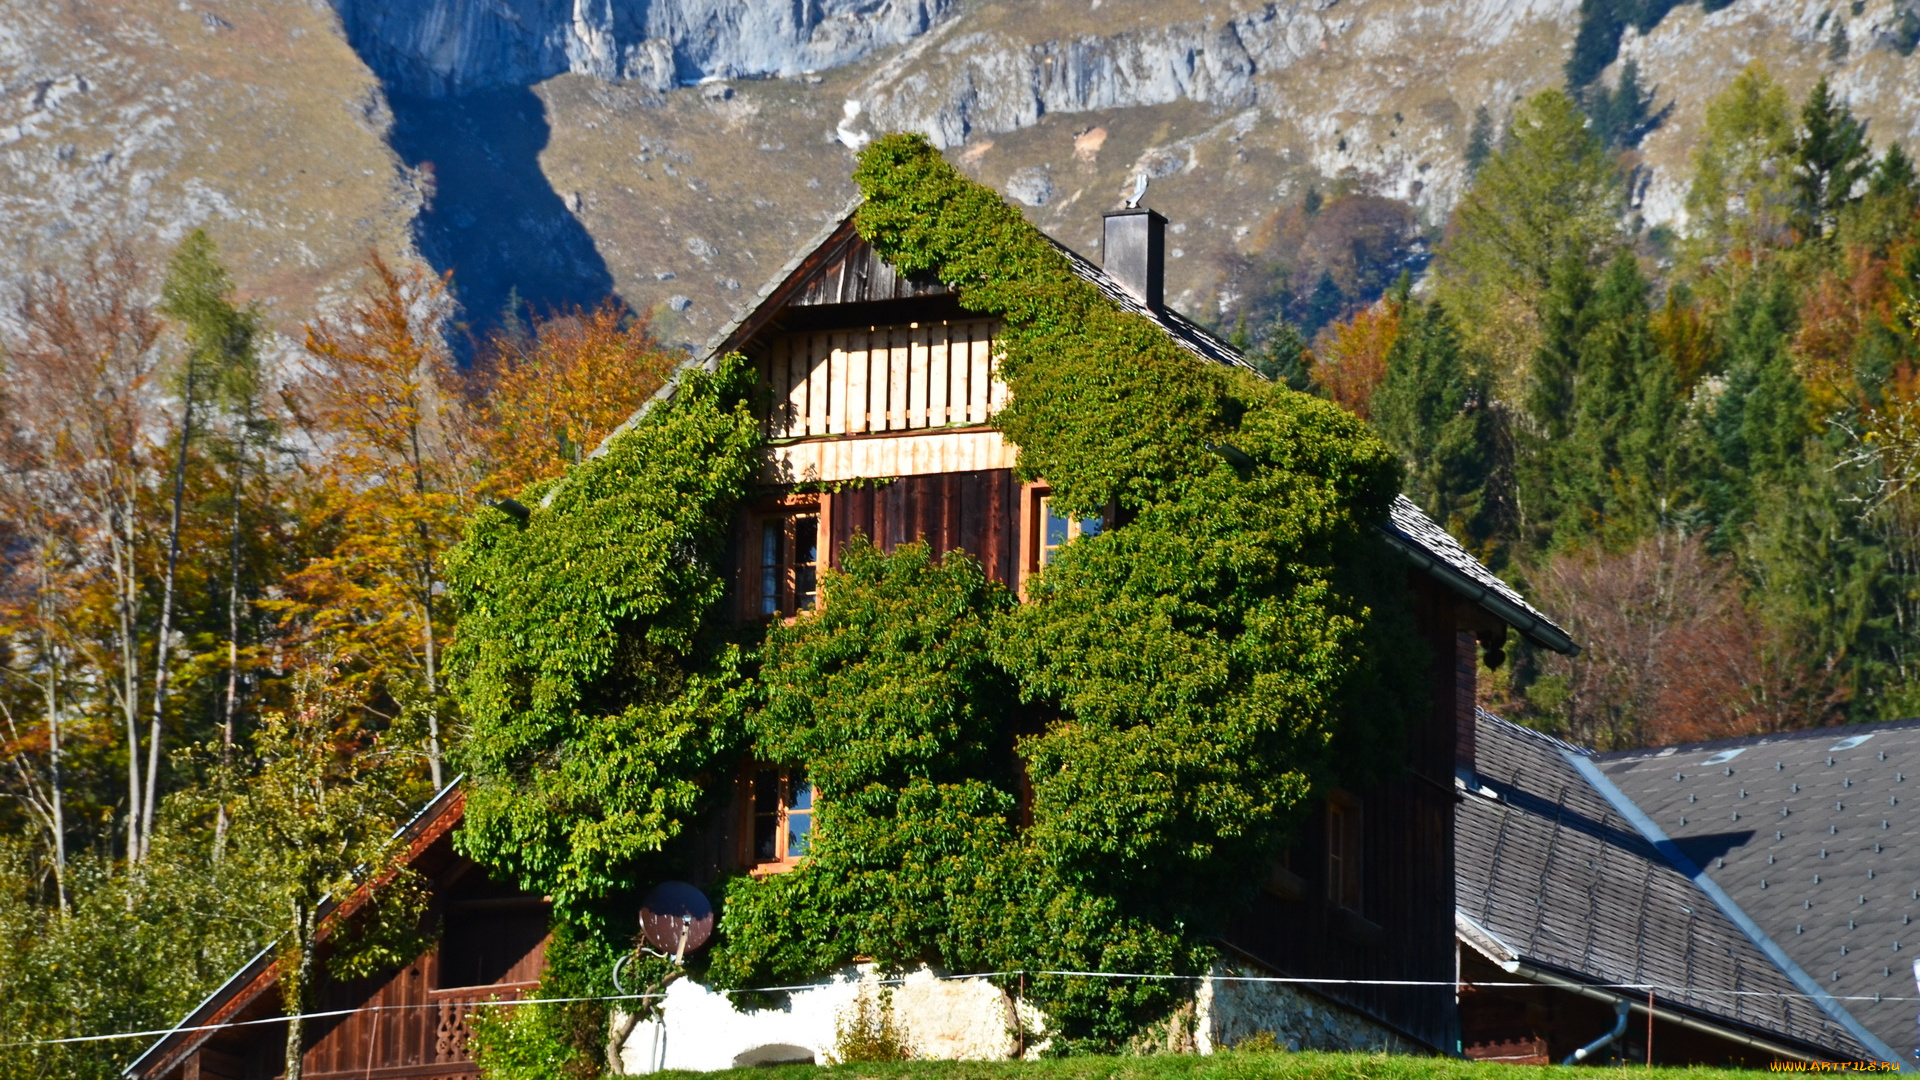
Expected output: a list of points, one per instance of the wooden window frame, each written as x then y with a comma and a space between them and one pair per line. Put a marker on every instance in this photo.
1034, 516
787, 589
1346, 868
783, 812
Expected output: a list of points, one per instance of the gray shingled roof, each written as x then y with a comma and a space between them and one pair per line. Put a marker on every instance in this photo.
1813, 833
1549, 865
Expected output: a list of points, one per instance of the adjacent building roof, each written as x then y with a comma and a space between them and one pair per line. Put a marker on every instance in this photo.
1813, 833
1553, 868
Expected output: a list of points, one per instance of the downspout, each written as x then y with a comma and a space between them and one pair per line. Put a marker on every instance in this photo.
1620, 1009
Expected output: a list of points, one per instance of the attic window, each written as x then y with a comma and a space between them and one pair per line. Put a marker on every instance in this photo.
1343, 851
781, 812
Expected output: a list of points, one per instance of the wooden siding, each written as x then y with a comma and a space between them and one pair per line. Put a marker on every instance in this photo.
881, 379
851, 273
912, 454
978, 512
1404, 930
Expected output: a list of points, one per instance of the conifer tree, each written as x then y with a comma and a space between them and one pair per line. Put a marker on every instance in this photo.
1831, 157
1624, 417
1284, 356
1432, 408
1551, 193
1761, 420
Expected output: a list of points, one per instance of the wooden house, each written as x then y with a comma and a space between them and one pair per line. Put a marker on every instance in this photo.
875, 376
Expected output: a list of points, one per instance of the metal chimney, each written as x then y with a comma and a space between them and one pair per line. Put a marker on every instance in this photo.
1133, 252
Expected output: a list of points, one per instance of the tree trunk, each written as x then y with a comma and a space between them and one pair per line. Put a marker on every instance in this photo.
295, 985
58, 812
426, 616
165, 643
126, 597
231, 706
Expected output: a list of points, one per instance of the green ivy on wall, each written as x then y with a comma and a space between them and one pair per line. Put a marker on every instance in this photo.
1176, 689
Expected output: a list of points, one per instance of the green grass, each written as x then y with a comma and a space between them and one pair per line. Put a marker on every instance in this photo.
1306, 1065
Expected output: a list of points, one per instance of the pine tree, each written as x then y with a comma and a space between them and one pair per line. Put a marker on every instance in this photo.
1831, 157
1479, 141
1761, 419
1625, 412
1432, 408
1552, 192
1283, 356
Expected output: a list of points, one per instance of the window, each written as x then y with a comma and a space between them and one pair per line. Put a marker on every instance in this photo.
1343, 851
1057, 531
782, 817
786, 577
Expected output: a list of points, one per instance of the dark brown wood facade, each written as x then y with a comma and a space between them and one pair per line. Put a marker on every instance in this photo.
1403, 926
409, 1025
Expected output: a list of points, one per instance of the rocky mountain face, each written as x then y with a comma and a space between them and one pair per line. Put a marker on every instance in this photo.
673, 152
449, 47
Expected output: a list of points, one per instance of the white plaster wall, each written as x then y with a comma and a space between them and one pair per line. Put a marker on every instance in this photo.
942, 1018
967, 1019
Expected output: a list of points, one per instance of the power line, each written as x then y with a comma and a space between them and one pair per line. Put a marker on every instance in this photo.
1670, 991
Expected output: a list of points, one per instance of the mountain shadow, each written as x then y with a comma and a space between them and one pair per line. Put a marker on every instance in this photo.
495, 220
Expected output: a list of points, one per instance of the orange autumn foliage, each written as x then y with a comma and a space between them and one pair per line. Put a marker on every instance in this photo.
1352, 357
547, 399
394, 492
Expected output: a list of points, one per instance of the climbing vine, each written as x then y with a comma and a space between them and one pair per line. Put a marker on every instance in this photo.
1174, 692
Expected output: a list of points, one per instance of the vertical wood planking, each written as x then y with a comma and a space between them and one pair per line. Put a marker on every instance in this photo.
819, 376
917, 358
937, 374
882, 379
877, 356
899, 364
837, 384
859, 381
978, 349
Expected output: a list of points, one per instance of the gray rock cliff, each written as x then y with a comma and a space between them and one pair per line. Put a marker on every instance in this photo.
444, 47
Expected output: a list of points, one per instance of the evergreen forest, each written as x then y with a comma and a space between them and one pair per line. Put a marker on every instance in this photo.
235, 580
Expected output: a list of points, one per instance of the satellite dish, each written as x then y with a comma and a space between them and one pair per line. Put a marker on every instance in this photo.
1139, 189
676, 919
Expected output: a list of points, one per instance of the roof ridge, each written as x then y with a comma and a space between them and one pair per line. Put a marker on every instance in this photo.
1827, 731
1533, 733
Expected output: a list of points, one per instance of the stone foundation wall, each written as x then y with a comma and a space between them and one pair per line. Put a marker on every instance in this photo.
1227, 1011
967, 1019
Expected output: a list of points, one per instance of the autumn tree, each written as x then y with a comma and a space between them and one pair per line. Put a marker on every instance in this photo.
547, 396
1740, 195
1353, 355
381, 399
83, 376
1669, 651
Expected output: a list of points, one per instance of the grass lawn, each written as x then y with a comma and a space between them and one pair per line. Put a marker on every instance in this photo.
1306, 1065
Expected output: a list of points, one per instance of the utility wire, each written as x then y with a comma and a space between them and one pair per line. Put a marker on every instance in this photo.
1670, 991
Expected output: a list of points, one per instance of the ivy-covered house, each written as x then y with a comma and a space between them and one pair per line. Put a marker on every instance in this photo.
965, 614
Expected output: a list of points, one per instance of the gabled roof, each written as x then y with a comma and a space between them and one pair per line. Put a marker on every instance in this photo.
837, 266
1553, 868
1814, 833
255, 985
